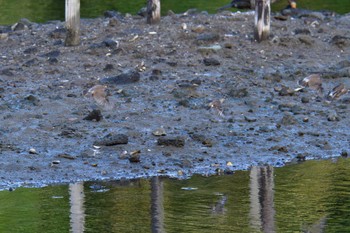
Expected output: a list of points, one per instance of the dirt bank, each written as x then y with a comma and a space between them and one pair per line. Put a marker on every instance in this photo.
223, 101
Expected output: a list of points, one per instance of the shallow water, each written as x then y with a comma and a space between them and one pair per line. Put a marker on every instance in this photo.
44, 10
310, 197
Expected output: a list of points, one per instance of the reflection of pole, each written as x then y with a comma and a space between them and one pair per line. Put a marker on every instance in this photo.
262, 213
157, 208
77, 211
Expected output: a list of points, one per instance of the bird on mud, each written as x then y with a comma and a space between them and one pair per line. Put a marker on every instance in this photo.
312, 81
99, 94
216, 105
336, 92
250, 4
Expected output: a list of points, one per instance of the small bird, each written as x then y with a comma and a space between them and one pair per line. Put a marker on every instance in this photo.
336, 92
216, 105
98, 93
312, 81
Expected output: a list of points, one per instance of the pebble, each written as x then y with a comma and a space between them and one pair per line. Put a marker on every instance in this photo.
208, 37
127, 77
171, 141
94, 115
159, 132
32, 151
135, 158
238, 92
202, 139
305, 100
198, 29
211, 62
4, 36
340, 41
333, 116
288, 119
250, 119
209, 49
112, 140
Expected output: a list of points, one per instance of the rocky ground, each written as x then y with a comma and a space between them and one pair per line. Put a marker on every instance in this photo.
193, 94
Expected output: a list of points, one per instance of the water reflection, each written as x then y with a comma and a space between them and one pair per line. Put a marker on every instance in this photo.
309, 197
262, 213
77, 212
157, 208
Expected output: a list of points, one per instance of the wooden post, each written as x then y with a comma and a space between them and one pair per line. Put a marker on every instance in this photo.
153, 11
262, 20
72, 22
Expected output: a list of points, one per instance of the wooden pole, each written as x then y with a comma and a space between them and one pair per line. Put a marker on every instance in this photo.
153, 11
262, 20
72, 22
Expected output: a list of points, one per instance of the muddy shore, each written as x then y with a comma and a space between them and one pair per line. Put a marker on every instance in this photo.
193, 94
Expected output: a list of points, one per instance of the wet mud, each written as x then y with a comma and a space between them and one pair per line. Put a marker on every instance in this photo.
193, 94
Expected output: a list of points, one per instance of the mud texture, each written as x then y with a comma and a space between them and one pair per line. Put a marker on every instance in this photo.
192, 94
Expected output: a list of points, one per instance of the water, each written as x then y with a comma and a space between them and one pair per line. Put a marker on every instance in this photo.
310, 197
44, 10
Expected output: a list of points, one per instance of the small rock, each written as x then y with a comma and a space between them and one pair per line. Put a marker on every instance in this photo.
112, 14
340, 41
238, 92
112, 140
344, 154
285, 91
19, 26
211, 62
333, 116
208, 37
55, 162
59, 33
249, 119
110, 43
130, 76
198, 29
306, 40
30, 50
31, 62
305, 119
288, 120
108, 67
135, 158
52, 54
296, 109
4, 36
202, 139
32, 99
283, 149
113, 22
32, 151
301, 157
302, 31
94, 115
159, 132
7, 72
343, 64
142, 12
66, 156
209, 49
305, 100
171, 141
